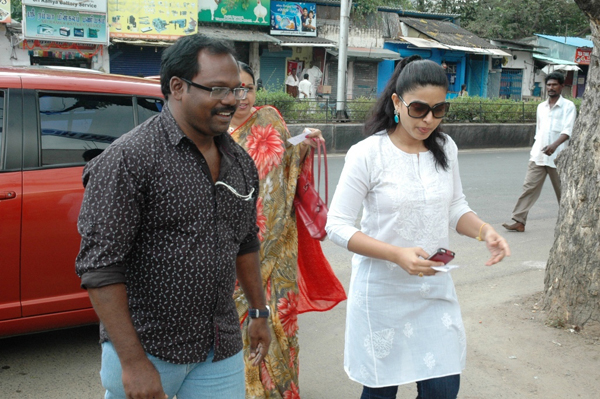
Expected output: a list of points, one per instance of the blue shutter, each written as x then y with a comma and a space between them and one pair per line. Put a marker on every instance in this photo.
135, 60
272, 73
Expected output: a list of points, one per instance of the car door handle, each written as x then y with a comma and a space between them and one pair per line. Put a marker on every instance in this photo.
7, 195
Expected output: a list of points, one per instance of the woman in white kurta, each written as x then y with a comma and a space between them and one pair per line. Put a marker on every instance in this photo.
403, 320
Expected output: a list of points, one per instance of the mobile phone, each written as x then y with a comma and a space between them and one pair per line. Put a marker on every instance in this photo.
442, 255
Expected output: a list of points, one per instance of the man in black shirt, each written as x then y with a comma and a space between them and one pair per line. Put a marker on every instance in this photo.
168, 222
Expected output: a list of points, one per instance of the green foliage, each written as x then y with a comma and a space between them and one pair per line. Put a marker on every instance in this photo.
484, 110
359, 108
511, 19
16, 12
279, 99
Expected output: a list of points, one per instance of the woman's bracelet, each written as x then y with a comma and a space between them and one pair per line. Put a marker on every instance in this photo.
479, 235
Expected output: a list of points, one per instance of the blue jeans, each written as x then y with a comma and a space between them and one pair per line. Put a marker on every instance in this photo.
435, 388
206, 380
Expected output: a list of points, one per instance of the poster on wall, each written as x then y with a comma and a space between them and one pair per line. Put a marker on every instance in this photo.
250, 12
150, 19
64, 25
583, 56
97, 6
4, 11
293, 19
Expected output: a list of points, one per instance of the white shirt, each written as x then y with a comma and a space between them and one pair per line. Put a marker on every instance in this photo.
314, 75
306, 87
291, 80
551, 123
399, 328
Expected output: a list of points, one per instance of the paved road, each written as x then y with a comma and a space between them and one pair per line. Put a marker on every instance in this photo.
65, 364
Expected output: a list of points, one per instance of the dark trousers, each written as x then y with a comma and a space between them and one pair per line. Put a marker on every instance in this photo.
435, 388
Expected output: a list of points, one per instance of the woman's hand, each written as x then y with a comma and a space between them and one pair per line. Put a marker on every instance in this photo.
311, 140
497, 246
414, 261
313, 137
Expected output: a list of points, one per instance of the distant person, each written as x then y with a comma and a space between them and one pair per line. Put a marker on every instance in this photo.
314, 76
291, 83
310, 22
403, 322
555, 120
259, 85
305, 88
463, 91
304, 19
168, 222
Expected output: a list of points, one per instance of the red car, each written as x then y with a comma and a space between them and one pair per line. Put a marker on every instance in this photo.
51, 123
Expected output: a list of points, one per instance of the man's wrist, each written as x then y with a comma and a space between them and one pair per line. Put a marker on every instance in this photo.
262, 313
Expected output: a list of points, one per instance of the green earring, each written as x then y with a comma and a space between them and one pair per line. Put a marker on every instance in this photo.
396, 119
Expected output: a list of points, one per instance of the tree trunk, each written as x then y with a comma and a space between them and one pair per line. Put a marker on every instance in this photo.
572, 281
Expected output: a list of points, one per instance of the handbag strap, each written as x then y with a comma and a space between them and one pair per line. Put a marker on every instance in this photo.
321, 144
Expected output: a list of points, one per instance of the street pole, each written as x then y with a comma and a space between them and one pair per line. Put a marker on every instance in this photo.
340, 108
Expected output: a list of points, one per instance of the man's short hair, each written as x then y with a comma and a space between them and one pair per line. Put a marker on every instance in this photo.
305, 76
181, 59
556, 76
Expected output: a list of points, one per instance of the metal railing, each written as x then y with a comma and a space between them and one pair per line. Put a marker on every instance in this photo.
324, 111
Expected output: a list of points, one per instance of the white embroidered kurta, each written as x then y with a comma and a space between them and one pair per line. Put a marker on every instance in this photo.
399, 328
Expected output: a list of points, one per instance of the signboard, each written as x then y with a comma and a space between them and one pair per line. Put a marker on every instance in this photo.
64, 25
76, 5
4, 11
150, 19
582, 56
250, 12
293, 19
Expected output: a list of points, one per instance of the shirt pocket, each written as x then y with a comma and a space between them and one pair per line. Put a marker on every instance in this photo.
237, 209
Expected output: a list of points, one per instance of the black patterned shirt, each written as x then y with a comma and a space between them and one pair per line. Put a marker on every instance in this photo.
152, 218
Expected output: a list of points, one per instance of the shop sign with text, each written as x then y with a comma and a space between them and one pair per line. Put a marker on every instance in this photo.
64, 25
4, 11
249, 12
150, 19
582, 56
293, 19
76, 5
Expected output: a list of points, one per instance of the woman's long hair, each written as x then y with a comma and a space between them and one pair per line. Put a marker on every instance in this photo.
410, 73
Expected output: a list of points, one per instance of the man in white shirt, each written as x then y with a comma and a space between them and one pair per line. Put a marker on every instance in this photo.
314, 76
305, 88
291, 84
555, 120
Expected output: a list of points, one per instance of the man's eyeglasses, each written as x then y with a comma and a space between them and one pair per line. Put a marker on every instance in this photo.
419, 109
239, 93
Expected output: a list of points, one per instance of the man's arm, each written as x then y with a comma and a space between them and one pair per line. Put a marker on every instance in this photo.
250, 279
568, 124
140, 378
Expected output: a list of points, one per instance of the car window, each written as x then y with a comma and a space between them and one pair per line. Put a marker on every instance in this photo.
148, 107
77, 127
1, 129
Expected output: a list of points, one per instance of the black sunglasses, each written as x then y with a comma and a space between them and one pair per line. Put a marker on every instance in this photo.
220, 92
419, 109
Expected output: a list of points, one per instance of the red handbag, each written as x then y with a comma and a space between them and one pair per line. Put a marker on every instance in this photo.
310, 208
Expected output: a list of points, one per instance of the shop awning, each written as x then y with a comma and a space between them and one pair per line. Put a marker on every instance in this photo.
424, 43
305, 41
237, 35
428, 43
552, 61
372, 53
140, 42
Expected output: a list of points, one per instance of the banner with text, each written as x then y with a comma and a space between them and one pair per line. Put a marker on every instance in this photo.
98, 6
149, 19
293, 19
4, 11
64, 25
250, 12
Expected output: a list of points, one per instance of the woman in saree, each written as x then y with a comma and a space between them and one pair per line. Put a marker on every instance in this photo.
263, 133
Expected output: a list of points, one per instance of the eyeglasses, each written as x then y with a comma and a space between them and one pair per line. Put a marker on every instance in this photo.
419, 109
220, 93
